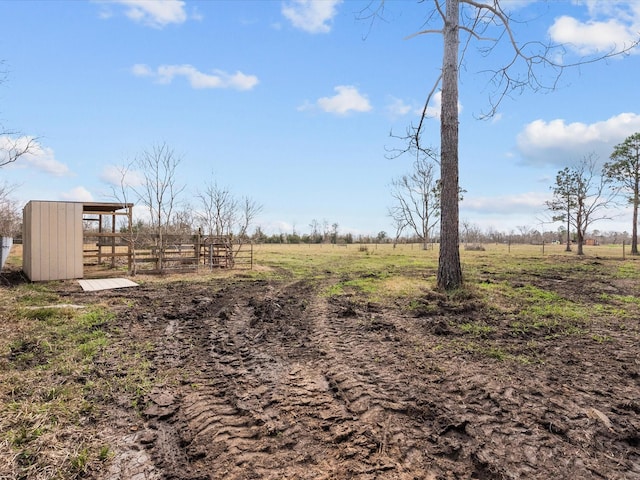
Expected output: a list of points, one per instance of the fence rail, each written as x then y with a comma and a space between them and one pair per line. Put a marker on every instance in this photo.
169, 253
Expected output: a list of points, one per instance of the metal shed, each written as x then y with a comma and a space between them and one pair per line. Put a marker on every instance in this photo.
53, 236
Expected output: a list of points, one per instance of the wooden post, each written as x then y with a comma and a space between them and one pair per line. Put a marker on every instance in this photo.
100, 239
196, 247
130, 239
113, 240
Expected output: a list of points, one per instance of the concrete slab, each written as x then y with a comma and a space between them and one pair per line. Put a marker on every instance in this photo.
105, 284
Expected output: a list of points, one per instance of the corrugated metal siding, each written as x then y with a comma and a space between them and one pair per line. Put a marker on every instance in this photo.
52, 239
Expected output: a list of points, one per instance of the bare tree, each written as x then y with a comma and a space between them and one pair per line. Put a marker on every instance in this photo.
334, 233
218, 209
159, 191
13, 145
524, 69
10, 215
122, 193
472, 236
225, 215
315, 226
525, 233
587, 195
182, 222
325, 230
249, 210
416, 200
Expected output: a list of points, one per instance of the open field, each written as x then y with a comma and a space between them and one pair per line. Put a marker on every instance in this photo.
329, 362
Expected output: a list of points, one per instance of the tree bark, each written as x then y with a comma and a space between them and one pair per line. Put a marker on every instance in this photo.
449, 269
568, 249
579, 229
634, 229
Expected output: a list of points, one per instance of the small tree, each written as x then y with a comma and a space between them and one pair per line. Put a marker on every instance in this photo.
224, 215
417, 200
218, 209
122, 193
586, 195
334, 233
316, 236
563, 201
624, 170
249, 210
159, 190
10, 215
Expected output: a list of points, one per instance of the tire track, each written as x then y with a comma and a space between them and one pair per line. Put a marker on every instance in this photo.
273, 381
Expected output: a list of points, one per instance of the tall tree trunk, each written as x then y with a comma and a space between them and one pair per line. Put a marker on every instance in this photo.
634, 230
580, 230
580, 243
568, 249
449, 270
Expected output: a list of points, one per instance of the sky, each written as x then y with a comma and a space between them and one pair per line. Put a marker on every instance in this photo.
298, 104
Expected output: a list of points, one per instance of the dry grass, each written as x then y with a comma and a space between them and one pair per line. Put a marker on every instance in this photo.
53, 389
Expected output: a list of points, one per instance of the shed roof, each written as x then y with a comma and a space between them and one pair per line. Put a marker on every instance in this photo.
106, 207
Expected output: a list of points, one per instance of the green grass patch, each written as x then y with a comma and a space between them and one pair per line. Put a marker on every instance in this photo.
476, 329
51, 384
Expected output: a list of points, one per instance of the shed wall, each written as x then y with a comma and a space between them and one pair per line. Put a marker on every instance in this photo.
52, 240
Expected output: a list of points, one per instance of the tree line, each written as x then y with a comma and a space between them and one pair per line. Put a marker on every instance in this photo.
583, 193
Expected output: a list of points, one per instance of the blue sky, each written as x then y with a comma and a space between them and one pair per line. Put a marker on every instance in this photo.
292, 102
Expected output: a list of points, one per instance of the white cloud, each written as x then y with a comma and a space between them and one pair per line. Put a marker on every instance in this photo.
165, 74
77, 194
39, 157
560, 143
313, 16
346, 100
521, 203
118, 176
397, 108
152, 13
141, 70
614, 25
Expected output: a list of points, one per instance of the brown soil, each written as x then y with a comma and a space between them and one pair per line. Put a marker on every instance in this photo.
270, 380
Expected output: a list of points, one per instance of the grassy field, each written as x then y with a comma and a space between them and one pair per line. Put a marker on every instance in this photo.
52, 388
382, 271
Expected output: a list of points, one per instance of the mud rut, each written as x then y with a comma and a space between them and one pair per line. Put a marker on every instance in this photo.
273, 381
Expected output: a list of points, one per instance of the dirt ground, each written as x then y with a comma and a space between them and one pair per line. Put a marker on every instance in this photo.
269, 379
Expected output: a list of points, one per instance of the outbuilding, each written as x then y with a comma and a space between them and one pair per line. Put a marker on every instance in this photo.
54, 234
